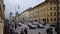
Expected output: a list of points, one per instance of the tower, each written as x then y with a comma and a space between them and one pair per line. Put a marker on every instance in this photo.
11, 17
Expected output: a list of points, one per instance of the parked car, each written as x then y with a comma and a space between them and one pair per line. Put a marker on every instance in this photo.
53, 25
43, 23
24, 25
20, 24
34, 23
31, 26
40, 26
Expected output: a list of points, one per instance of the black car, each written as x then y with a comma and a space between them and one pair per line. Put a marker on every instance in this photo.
53, 25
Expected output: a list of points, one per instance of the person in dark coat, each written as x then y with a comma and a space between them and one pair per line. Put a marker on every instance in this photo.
49, 31
22, 31
39, 33
25, 30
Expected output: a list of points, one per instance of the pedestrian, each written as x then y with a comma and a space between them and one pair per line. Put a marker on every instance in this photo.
22, 31
39, 33
49, 31
25, 30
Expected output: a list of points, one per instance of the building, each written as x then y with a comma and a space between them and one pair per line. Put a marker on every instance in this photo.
11, 17
34, 14
25, 16
30, 13
57, 28
45, 12
18, 17
2, 9
59, 10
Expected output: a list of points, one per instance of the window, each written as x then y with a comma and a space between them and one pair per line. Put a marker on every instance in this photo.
54, 19
51, 19
54, 8
59, 19
51, 13
0, 21
59, 13
0, 8
54, 2
50, 8
47, 8
50, 2
54, 13
58, 2
58, 7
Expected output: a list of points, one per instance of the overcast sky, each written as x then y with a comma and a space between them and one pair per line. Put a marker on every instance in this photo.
11, 5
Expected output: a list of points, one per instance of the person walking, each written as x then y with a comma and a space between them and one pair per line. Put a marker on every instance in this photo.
25, 30
39, 33
49, 31
22, 31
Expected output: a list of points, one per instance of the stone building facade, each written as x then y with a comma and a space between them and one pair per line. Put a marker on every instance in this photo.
2, 16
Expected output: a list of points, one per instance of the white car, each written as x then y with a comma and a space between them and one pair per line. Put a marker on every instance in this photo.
23, 25
40, 26
35, 23
31, 26
20, 24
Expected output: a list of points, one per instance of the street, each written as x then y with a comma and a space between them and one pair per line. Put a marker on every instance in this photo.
42, 31
36, 31
30, 17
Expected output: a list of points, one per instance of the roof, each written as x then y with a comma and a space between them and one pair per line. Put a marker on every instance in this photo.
39, 4
26, 10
